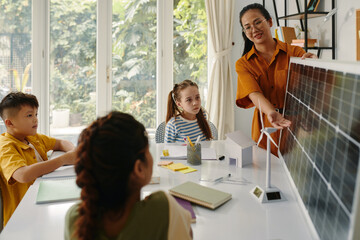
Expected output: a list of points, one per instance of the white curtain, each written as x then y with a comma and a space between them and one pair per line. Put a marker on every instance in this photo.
220, 101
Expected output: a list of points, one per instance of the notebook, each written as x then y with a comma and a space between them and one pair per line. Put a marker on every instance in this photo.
196, 193
180, 153
61, 172
58, 190
187, 205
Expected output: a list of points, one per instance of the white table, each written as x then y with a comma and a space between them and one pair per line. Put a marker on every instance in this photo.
243, 217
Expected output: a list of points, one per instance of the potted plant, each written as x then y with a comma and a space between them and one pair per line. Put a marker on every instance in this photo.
60, 116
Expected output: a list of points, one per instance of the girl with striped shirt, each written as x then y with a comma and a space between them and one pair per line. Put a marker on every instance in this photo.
185, 117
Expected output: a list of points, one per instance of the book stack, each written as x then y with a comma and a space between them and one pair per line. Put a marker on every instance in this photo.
301, 42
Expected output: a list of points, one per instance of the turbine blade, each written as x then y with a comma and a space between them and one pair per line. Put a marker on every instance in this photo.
262, 123
261, 136
272, 140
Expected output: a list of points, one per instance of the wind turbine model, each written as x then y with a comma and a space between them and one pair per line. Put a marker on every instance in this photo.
270, 193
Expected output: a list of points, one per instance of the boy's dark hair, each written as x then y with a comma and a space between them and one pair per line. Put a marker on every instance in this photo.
15, 100
248, 44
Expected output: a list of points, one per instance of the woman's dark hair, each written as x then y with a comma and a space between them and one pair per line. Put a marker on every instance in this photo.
249, 44
106, 154
173, 110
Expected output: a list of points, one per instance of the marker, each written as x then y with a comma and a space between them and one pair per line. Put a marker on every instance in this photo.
197, 140
185, 142
222, 178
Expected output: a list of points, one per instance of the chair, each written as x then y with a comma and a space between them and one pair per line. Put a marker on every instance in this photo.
160, 132
213, 131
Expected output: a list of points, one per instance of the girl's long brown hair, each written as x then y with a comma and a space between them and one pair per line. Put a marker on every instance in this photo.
173, 110
107, 151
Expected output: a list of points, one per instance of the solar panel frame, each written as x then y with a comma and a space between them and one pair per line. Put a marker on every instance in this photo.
321, 148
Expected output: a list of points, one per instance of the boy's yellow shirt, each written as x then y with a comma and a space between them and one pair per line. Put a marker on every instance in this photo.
16, 154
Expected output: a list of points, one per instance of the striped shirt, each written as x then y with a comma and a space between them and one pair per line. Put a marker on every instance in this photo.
179, 128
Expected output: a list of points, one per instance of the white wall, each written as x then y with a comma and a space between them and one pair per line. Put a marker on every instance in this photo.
243, 117
345, 40
346, 30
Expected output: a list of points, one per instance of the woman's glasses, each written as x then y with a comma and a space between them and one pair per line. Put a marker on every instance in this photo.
257, 23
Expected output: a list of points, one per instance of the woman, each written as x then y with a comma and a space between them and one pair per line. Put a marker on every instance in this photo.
262, 71
113, 164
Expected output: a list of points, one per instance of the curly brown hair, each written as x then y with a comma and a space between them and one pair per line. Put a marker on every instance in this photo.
106, 154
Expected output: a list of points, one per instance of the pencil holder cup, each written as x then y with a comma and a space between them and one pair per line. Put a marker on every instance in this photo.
194, 154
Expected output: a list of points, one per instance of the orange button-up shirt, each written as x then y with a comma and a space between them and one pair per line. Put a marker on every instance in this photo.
255, 74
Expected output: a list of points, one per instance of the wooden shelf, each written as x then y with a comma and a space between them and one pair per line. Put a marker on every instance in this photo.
299, 16
303, 18
319, 48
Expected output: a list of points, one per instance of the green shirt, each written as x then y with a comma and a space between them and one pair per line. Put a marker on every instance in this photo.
149, 219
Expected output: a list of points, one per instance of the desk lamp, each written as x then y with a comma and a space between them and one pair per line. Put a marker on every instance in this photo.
270, 193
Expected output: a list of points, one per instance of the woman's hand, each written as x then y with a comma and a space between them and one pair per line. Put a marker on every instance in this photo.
277, 120
309, 55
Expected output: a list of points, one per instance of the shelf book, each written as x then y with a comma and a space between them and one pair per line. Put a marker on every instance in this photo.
301, 42
285, 34
204, 196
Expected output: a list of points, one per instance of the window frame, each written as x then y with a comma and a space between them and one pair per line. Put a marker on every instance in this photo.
41, 52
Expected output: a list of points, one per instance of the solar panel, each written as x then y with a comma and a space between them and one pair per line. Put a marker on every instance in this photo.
321, 147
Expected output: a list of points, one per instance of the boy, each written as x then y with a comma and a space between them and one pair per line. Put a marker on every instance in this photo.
23, 151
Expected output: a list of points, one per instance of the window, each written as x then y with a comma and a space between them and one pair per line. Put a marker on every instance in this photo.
72, 66
15, 48
190, 43
134, 59
69, 57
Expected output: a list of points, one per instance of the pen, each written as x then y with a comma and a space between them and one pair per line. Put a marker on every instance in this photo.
222, 178
191, 144
197, 140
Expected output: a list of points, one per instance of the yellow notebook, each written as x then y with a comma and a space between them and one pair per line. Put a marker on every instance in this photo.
58, 190
196, 193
